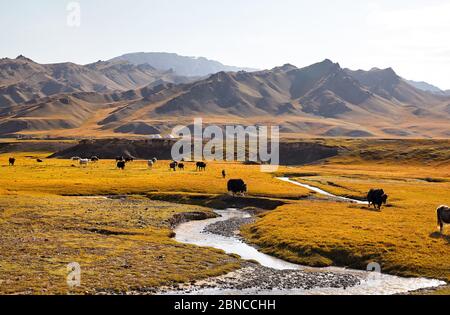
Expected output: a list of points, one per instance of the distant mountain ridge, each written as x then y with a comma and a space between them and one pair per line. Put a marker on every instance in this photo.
111, 99
424, 86
23, 80
182, 65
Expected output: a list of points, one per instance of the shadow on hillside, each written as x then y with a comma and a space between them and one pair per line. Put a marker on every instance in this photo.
438, 235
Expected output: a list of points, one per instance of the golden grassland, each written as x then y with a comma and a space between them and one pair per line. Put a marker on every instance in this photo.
47, 219
402, 237
121, 245
64, 177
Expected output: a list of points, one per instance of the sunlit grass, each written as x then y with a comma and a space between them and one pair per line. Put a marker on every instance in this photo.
65, 177
121, 245
402, 237
125, 245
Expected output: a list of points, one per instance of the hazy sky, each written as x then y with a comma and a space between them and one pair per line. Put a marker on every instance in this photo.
412, 36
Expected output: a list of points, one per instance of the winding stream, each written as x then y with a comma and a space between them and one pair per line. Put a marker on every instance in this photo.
322, 192
369, 282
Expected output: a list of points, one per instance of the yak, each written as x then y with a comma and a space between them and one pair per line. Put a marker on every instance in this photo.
12, 161
377, 198
173, 166
443, 216
181, 166
237, 186
201, 166
121, 165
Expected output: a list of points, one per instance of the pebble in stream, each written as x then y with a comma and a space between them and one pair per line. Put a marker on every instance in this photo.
228, 228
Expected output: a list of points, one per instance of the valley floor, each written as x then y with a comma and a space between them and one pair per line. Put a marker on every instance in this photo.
51, 215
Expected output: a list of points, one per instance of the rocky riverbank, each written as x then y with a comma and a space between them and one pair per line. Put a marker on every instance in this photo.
228, 228
257, 278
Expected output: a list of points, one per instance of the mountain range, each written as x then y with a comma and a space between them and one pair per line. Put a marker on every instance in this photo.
182, 65
23, 80
127, 98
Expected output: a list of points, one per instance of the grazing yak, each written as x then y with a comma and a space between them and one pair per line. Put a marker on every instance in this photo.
181, 166
150, 163
121, 165
443, 216
84, 162
201, 166
237, 186
12, 161
377, 198
154, 160
95, 159
173, 166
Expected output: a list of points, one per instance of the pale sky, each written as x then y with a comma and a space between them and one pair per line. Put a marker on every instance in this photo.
411, 36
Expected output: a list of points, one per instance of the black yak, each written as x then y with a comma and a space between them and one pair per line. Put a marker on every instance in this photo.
201, 166
121, 165
443, 216
237, 186
377, 198
173, 166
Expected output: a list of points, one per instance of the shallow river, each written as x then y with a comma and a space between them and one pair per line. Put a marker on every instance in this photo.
370, 282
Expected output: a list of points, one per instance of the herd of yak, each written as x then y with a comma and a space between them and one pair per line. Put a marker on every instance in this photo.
375, 197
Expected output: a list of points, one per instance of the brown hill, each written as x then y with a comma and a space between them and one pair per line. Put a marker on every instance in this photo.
322, 99
22, 79
319, 100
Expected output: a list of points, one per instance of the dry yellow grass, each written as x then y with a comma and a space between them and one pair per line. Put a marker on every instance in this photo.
402, 237
121, 245
65, 177
127, 245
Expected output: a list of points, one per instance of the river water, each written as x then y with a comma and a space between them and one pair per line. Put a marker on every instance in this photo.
322, 192
370, 282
